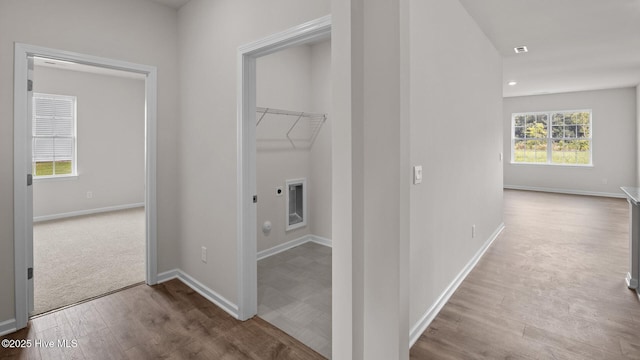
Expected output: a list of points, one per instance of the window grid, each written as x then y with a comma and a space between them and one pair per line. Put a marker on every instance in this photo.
552, 137
54, 135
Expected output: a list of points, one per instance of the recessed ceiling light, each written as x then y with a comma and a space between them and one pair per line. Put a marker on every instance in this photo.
520, 49
512, 83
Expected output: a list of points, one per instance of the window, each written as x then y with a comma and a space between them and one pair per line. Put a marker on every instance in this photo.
54, 135
551, 137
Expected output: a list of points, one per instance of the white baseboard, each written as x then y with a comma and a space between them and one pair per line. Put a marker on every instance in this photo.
7, 327
293, 243
86, 212
433, 311
218, 299
321, 241
566, 191
201, 289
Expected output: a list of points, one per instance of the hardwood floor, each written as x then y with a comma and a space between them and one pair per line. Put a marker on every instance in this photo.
164, 321
550, 287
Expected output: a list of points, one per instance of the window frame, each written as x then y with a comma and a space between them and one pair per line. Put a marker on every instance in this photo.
549, 138
74, 153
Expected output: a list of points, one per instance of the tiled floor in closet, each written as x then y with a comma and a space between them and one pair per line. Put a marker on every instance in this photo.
294, 294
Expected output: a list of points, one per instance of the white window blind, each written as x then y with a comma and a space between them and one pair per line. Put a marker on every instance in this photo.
54, 131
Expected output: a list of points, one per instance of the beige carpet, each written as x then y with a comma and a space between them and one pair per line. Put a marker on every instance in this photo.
82, 257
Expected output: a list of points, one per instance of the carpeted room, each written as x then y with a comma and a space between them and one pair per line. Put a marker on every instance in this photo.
88, 194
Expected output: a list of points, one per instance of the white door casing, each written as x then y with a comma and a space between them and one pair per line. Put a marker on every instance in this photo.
247, 54
29, 209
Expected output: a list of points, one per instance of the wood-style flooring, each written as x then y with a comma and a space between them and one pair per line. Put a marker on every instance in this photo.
166, 321
550, 287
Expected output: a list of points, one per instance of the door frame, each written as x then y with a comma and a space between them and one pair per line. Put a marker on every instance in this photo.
247, 210
23, 244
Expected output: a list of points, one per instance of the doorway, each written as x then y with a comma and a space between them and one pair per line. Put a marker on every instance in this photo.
293, 180
23, 172
88, 182
248, 196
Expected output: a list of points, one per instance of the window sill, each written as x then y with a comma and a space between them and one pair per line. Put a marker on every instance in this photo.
55, 178
546, 164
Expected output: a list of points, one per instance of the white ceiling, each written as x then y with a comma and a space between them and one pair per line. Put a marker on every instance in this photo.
573, 45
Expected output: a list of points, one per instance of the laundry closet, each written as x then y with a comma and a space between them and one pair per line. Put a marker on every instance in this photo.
293, 180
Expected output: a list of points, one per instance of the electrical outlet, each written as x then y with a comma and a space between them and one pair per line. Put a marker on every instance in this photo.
605, 181
473, 231
89, 194
203, 254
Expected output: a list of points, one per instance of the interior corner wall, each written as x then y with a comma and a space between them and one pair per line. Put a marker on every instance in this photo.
456, 135
283, 81
614, 149
142, 32
321, 166
210, 33
110, 142
297, 79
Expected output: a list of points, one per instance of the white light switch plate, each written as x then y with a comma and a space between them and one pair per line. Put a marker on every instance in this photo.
417, 174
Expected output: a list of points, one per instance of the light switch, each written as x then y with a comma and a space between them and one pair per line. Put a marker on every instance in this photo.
417, 174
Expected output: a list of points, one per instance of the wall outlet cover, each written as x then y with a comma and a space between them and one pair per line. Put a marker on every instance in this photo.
417, 174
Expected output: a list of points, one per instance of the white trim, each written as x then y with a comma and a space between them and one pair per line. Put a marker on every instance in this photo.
86, 212
321, 241
168, 275
433, 311
55, 178
578, 166
549, 138
7, 327
214, 297
246, 152
22, 165
631, 282
293, 243
566, 191
287, 213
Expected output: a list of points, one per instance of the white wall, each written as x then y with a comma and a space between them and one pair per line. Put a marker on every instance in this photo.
614, 151
346, 323
110, 143
289, 80
283, 81
456, 135
139, 31
210, 33
320, 196
461, 187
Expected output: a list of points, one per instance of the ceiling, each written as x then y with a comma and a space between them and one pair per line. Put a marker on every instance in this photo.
176, 4
574, 45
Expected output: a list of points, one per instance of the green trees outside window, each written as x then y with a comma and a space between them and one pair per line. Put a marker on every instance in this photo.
555, 137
